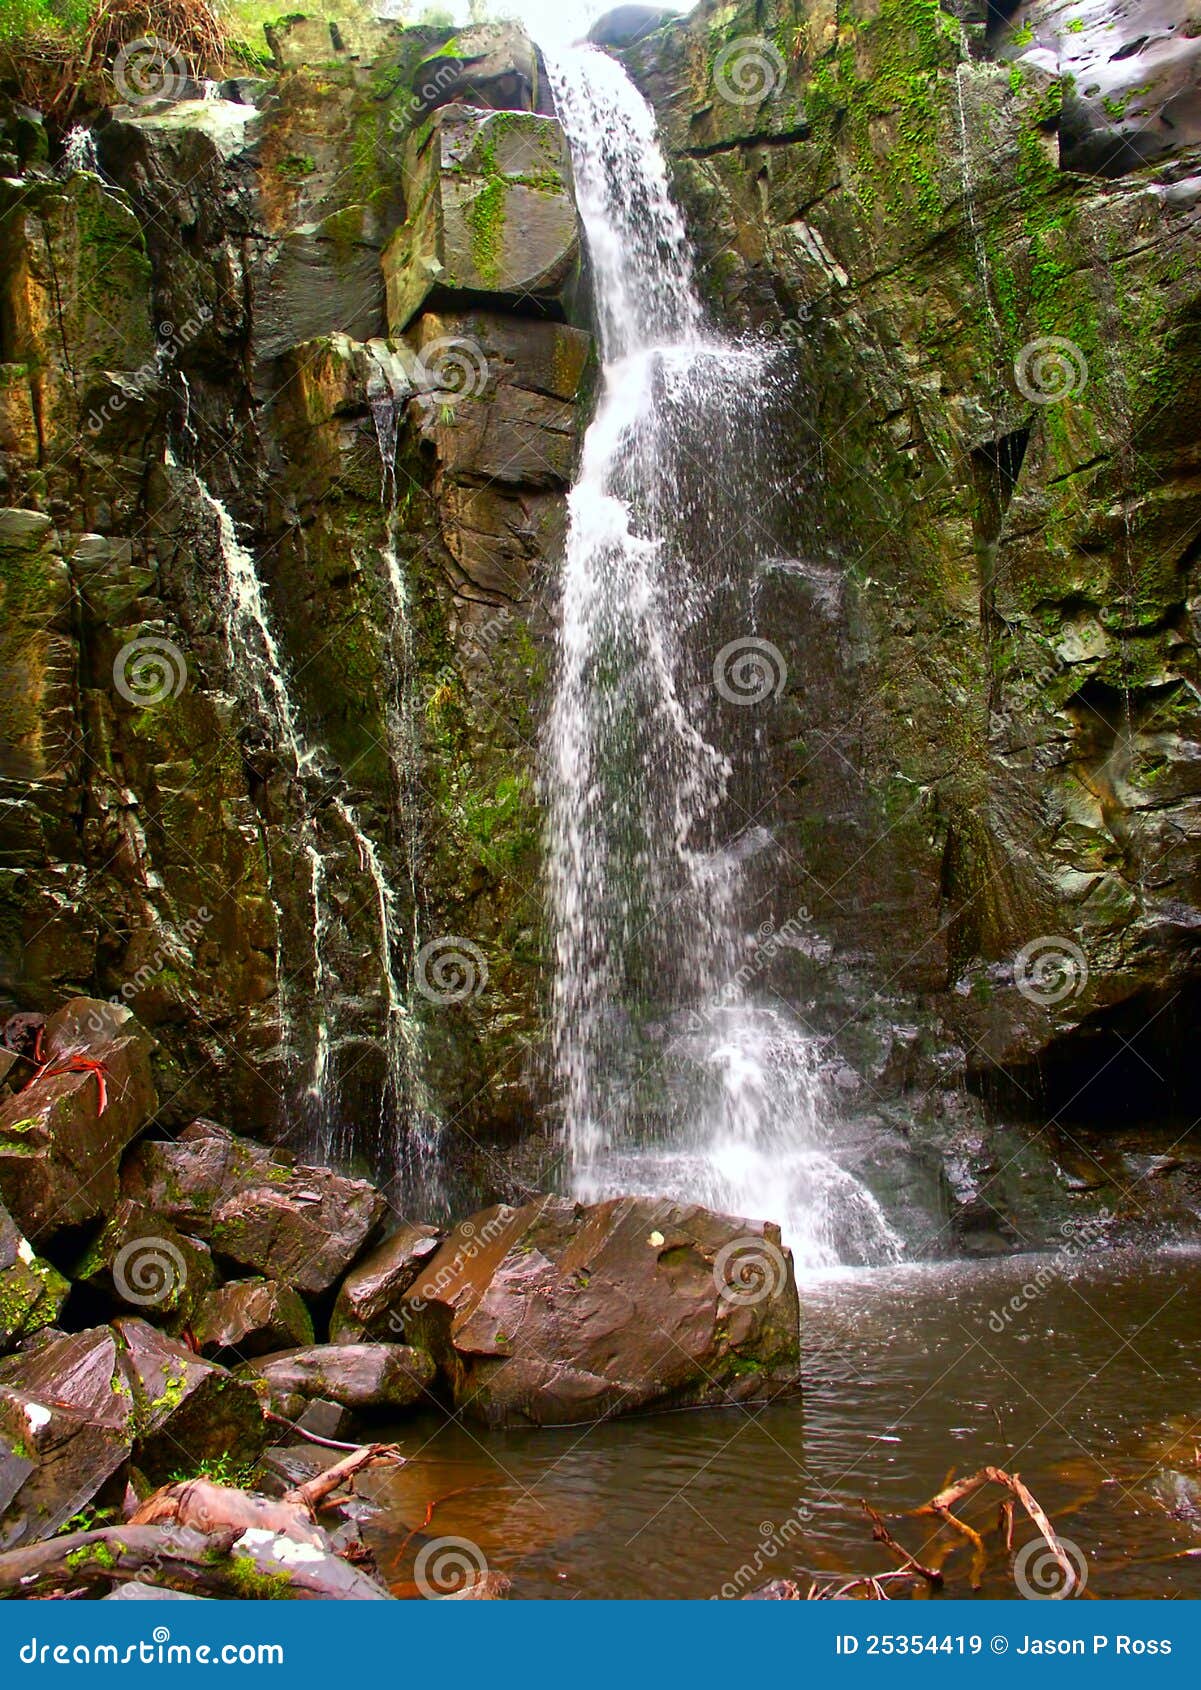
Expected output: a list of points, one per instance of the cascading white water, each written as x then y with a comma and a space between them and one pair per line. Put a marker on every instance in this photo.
256, 660
673, 1077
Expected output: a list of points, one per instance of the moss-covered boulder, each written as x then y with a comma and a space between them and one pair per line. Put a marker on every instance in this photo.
62, 1136
300, 1224
358, 1376
32, 1293
252, 1317
490, 65
490, 211
74, 1409
140, 1261
370, 1292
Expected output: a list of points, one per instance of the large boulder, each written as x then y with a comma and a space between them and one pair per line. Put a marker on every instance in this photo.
560, 1312
253, 1317
1130, 75
493, 65
255, 1206
354, 1375
625, 25
369, 1293
74, 1408
32, 1293
502, 414
62, 1137
142, 1262
490, 211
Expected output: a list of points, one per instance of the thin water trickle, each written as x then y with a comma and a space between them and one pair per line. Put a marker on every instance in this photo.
79, 152
672, 1076
257, 663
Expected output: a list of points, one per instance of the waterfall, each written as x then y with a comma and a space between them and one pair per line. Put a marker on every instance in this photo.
256, 661
673, 1074
79, 152
409, 1102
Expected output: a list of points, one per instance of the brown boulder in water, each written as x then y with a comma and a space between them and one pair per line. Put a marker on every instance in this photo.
560, 1312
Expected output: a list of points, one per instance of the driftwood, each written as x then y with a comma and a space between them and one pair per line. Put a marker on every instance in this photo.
180, 1558
909, 1563
941, 1505
313, 1492
214, 1509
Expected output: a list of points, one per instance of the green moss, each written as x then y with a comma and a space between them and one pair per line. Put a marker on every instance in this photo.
295, 166
485, 216
260, 1584
899, 94
92, 1555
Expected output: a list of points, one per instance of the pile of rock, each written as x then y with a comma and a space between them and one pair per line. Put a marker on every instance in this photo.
168, 1306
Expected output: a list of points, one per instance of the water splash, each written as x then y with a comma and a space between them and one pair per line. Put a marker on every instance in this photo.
673, 1078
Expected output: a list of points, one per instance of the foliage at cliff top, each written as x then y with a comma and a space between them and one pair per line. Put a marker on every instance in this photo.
59, 54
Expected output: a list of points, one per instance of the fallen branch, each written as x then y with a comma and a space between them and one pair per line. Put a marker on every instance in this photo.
309, 1437
313, 1492
909, 1563
181, 1559
941, 1506
216, 1509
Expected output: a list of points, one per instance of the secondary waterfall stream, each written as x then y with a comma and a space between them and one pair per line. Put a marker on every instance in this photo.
674, 1075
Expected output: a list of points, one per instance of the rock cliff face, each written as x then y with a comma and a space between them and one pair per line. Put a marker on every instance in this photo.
273, 577
975, 228
291, 390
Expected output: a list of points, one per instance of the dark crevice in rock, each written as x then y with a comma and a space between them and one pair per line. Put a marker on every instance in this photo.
1127, 1065
749, 143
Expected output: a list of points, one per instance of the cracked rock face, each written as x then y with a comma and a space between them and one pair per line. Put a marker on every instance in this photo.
998, 357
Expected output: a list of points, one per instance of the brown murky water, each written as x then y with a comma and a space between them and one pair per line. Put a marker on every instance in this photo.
1090, 1388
